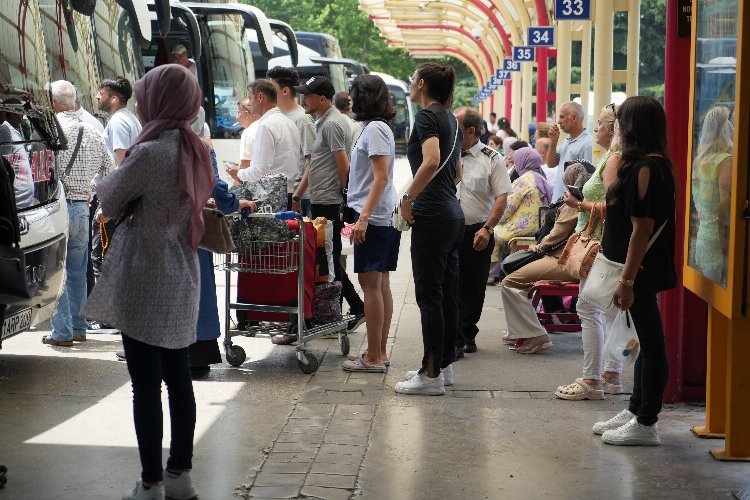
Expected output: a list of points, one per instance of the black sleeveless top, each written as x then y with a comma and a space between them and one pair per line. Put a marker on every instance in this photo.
657, 270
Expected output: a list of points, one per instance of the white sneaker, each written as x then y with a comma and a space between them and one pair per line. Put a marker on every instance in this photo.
618, 420
632, 434
447, 375
422, 384
140, 492
179, 486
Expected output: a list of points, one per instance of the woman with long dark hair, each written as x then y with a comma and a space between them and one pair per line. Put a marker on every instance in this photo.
431, 206
372, 196
641, 208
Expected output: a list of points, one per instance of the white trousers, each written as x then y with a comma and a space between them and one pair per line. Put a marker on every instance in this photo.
594, 325
519, 314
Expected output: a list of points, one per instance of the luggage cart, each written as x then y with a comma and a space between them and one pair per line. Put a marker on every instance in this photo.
269, 258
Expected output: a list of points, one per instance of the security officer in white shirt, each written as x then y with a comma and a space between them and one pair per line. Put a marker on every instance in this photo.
484, 189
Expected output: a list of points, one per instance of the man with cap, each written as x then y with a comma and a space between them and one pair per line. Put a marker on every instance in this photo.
328, 173
180, 54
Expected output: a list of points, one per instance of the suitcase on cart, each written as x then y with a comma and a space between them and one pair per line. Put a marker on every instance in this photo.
279, 289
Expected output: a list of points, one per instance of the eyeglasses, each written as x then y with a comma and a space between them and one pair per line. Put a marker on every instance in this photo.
610, 105
245, 107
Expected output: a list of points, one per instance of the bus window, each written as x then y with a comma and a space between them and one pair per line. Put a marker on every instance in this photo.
70, 55
229, 69
247, 53
119, 54
22, 61
337, 74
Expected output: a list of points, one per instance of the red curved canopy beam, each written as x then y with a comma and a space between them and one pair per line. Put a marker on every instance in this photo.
458, 29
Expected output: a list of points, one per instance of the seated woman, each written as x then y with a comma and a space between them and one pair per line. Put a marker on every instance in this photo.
525, 333
521, 217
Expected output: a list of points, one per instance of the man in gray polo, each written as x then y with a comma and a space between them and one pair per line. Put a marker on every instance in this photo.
328, 173
576, 146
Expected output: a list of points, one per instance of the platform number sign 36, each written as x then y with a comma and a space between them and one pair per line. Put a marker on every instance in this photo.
523, 54
572, 9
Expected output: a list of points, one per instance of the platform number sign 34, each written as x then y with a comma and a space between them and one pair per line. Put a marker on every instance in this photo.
541, 36
572, 9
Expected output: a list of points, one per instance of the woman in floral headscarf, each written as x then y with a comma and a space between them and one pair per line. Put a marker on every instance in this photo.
530, 192
150, 281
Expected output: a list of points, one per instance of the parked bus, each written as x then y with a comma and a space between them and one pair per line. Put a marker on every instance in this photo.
42, 41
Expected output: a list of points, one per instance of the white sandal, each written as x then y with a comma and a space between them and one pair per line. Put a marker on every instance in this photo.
578, 390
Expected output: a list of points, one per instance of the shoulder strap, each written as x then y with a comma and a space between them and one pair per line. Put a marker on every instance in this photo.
75, 150
656, 234
453, 148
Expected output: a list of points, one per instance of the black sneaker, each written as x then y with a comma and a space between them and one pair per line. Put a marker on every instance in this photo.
355, 323
459, 352
120, 355
470, 347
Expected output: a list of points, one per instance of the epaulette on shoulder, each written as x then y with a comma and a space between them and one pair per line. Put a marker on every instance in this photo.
489, 151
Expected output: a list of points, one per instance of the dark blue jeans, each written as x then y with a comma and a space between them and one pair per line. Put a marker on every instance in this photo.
148, 366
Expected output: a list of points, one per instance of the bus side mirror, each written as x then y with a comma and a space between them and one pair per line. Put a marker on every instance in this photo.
85, 7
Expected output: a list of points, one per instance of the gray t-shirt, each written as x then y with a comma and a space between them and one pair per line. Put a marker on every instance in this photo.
306, 126
376, 140
332, 134
571, 149
122, 129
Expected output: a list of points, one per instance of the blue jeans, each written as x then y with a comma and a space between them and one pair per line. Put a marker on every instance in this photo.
67, 320
148, 365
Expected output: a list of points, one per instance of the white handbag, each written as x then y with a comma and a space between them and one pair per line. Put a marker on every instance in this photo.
397, 220
599, 287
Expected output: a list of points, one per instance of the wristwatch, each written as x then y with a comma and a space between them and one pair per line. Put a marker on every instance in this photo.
408, 198
627, 283
296, 198
488, 228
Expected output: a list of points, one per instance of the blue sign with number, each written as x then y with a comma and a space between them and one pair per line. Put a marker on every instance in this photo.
492, 87
524, 54
541, 36
566, 10
511, 65
502, 75
495, 80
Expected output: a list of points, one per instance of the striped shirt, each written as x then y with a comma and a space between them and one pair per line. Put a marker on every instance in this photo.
92, 162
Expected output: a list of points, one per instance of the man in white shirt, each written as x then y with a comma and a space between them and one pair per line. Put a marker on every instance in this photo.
249, 122
285, 79
180, 54
87, 117
123, 127
492, 126
485, 185
276, 145
577, 146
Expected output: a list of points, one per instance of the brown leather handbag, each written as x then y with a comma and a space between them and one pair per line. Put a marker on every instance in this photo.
581, 249
217, 237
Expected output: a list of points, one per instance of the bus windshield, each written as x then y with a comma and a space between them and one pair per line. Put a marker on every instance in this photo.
119, 55
229, 68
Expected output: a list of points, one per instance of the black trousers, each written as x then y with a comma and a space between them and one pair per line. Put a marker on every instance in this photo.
652, 366
474, 267
97, 254
331, 212
434, 260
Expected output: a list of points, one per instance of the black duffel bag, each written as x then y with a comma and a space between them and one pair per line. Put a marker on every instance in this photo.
517, 260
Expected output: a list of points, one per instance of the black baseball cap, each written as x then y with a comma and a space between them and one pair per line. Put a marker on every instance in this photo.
319, 85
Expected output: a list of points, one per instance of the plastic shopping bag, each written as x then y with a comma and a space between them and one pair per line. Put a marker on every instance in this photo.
622, 340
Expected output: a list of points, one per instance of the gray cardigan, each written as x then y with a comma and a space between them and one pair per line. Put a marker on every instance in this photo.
150, 283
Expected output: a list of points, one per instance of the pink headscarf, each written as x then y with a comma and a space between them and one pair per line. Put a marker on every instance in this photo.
527, 159
168, 97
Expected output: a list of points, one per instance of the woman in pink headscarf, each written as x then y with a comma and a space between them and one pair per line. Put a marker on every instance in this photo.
149, 289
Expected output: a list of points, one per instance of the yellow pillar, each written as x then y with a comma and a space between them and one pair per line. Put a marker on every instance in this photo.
500, 102
603, 49
515, 110
562, 83
634, 36
527, 71
716, 376
586, 70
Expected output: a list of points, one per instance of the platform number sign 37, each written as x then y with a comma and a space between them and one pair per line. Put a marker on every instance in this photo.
572, 9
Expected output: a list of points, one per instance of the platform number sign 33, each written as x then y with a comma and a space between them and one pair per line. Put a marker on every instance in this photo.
523, 54
572, 9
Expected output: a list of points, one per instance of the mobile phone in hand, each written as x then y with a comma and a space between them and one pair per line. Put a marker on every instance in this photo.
575, 192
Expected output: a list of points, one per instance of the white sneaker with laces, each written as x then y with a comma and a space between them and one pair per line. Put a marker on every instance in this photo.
447, 375
422, 384
632, 434
618, 420
140, 492
179, 486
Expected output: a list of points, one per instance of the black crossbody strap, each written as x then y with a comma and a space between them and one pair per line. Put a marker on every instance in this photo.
75, 150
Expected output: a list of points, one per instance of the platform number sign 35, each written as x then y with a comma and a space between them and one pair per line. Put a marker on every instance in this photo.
523, 54
572, 9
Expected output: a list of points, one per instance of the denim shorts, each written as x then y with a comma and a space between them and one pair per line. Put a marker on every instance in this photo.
379, 252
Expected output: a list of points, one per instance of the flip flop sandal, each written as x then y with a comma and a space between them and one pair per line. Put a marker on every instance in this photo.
578, 391
507, 340
359, 365
387, 362
529, 348
610, 388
